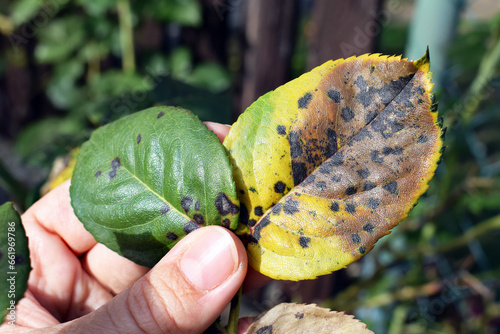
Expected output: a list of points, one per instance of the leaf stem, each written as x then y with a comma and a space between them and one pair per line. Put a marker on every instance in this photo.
126, 35
234, 313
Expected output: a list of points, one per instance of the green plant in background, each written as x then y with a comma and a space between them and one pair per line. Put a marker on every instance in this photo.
97, 76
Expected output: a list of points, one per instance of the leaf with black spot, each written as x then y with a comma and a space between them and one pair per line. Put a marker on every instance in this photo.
362, 142
140, 197
15, 264
305, 319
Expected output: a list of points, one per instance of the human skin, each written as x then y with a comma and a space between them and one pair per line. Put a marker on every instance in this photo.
79, 286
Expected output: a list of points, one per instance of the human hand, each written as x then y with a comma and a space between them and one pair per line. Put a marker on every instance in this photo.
79, 286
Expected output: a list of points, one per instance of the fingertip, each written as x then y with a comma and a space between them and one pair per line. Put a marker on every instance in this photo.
221, 130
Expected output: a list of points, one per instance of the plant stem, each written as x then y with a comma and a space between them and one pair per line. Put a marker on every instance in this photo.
480, 229
234, 313
480, 85
126, 35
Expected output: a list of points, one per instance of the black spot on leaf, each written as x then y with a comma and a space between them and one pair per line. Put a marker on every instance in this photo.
281, 130
164, 209
304, 100
334, 95
299, 315
337, 159
331, 149
335, 207
349, 207
190, 226
226, 223
304, 242
244, 214
350, 191
356, 238
347, 114
321, 185
172, 236
364, 96
291, 206
139, 138
252, 222
255, 236
265, 330
252, 189
364, 173
258, 211
362, 250
197, 206
299, 172
160, 114
224, 205
422, 139
373, 203
198, 218
115, 164
19, 259
279, 187
186, 203
295, 145
368, 228
391, 187
370, 116
97, 174
375, 157
277, 209
368, 185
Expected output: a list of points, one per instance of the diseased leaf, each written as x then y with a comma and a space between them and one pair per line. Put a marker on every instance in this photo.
62, 170
14, 262
296, 318
328, 163
144, 181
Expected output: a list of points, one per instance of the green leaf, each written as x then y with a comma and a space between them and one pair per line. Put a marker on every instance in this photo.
14, 261
144, 181
330, 162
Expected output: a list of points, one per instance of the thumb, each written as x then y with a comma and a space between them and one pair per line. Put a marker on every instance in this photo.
185, 292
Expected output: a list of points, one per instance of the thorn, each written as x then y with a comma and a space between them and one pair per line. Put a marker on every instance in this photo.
440, 121
442, 149
443, 133
433, 98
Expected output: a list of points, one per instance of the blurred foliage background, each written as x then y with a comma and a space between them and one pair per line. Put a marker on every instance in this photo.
69, 66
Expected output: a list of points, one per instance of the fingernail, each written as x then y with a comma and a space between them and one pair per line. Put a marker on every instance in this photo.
210, 260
